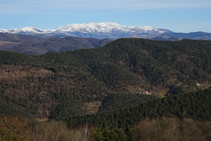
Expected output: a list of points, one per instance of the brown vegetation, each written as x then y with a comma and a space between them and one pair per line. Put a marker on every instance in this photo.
92, 107
11, 71
13, 129
54, 131
171, 129
162, 129
2, 43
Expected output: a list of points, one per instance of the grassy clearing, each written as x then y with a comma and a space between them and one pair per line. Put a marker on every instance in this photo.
162, 93
135, 89
92, 107
41, 119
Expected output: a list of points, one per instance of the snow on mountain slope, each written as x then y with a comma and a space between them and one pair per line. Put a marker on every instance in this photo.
29, 30
107, 27
93, 27
96, 30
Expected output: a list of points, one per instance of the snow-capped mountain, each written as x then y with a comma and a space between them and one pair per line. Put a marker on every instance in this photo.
95, 30
108, 28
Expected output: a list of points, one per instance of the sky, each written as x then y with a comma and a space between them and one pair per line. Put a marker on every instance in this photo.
175, 15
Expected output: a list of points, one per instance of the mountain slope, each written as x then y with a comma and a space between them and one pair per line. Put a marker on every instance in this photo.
35, 45
17, 37
8, 41
192, 35
109, 30
67, 81
59, 45
194, 105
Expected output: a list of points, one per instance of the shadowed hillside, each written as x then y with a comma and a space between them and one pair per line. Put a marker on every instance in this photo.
35, 45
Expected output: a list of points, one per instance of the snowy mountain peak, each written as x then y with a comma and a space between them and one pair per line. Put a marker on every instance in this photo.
28, 28
89, 27
147, 28
108, 27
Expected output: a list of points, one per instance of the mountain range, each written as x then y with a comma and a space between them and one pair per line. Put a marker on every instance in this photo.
109, 30
34, 41
93, 30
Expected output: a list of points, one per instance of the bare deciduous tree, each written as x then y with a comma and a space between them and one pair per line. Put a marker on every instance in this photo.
86, 132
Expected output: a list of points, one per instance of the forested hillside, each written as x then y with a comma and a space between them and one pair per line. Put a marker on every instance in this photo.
71, 83
177, 117
195, 105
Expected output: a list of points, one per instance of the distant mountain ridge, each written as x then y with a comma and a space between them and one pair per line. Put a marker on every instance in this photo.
109, 30
94, 30
36, 45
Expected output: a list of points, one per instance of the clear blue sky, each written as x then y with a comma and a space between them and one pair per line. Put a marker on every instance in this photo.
175, 15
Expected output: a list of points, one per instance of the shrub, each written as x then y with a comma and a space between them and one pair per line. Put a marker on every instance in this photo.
13, 129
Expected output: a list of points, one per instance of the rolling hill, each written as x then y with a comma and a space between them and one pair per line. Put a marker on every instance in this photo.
71, 83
